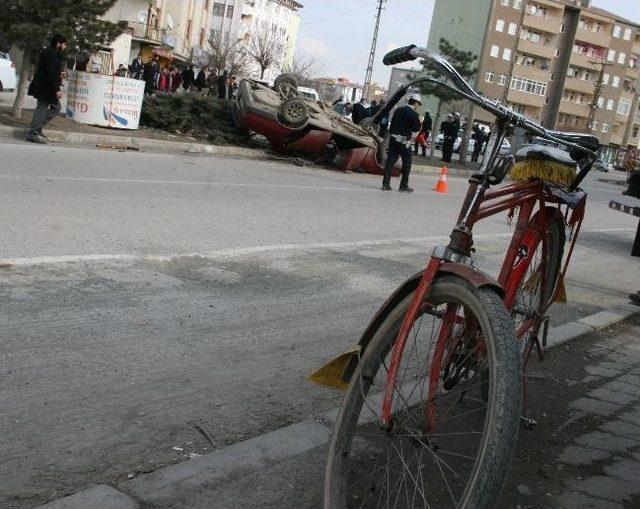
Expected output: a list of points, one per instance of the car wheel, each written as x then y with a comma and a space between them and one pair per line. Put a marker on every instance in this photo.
286, 85
293, 113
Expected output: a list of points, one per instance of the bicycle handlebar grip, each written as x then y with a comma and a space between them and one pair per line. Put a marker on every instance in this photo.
397, 56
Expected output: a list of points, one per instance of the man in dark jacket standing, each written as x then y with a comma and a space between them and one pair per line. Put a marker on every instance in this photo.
478, 142
45, 87
359, 111
404, 123
188, 77
449, 129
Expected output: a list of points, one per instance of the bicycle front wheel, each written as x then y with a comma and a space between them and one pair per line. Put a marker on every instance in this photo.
455, 410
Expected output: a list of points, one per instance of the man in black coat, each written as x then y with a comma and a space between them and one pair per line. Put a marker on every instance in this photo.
45, 87
222, 85
449, 129
404, 123
188, 77
478, 137
359, 111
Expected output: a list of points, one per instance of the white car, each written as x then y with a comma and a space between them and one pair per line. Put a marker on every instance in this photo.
505, 148
8, 78
309, 93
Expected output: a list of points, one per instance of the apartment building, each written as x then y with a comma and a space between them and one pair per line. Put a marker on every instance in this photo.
170, 29
243, 19
564, 63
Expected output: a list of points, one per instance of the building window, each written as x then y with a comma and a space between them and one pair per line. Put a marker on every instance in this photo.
517, 4
624, 107
218, 9
505, 2
605, 78
616, 31
615, 82
500, 25
621, 57
635, 132
528, 86
488, 77
506, 54
502, 79
600, 102
495, 51
605, 127
610, 104
627, 34
230, 11
513, 28
561, 27
611, 55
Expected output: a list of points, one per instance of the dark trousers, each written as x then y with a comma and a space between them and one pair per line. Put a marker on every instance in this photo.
477, 148
44, 113
395, 151
447, 149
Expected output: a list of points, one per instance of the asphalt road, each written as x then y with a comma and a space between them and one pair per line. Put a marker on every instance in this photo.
144, 296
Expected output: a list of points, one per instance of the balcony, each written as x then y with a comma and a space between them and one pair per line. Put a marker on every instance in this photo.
542, 23
616, 139
586, 87
532, 72
633, 73
146, 33
536, 48
515, 96
579, 110
602, 39
588, 62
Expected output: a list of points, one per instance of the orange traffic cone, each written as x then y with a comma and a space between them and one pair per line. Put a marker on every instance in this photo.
442, 186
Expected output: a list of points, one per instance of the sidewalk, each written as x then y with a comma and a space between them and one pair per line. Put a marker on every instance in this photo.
584, 452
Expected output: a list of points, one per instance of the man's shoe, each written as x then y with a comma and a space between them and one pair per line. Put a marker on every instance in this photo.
405, 189
386, 187
635, 298
37, 139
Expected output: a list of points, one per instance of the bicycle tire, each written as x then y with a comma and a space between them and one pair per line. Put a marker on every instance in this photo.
501, 421
556, 238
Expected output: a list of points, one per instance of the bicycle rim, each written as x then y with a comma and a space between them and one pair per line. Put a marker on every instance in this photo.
420, 462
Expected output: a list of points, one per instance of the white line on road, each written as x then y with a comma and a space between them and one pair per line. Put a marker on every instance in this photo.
251, 250
205, 183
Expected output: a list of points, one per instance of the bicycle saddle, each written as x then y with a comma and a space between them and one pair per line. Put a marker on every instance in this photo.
588, 141
545, 153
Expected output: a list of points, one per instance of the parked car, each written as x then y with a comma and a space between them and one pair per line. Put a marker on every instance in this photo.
603, 166
309, 93
8, 78
505, 148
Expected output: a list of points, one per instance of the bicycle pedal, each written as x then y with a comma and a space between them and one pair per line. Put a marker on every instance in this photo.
528, 422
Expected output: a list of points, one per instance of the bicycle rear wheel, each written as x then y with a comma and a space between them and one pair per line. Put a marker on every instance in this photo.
446, 445
530, 298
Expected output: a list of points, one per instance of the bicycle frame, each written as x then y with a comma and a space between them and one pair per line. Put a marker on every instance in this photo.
480, 203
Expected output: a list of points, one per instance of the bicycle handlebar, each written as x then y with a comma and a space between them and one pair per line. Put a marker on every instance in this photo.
586, 144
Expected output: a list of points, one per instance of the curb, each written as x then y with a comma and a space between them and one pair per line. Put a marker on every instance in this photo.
175, 483
435, 171
131, 142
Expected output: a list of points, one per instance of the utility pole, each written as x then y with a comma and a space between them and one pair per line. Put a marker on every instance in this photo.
372, 54
593, 107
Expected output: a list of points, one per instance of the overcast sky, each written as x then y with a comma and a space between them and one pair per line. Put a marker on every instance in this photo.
339, 32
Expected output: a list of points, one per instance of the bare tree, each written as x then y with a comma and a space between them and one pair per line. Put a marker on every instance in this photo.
266, 47
224, 53
304, 67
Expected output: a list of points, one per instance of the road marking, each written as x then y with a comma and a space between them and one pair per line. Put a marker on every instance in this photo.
252, 250
205, 183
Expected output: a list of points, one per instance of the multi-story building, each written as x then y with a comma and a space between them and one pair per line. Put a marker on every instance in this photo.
331, 89
564, 63
243, 19
170, 29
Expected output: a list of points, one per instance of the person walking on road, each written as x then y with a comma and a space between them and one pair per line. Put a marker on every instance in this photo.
46, 88
404, 123
449, 129
359, 111
423, 135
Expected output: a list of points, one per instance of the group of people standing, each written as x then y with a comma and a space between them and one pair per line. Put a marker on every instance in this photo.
170, 79
361, 110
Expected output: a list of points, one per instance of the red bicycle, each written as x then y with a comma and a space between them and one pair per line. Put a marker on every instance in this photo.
434, 389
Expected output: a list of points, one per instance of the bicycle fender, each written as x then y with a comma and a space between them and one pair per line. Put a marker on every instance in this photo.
473, 276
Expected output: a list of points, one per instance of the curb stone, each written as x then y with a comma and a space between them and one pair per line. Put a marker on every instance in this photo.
177, 481
76, 138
